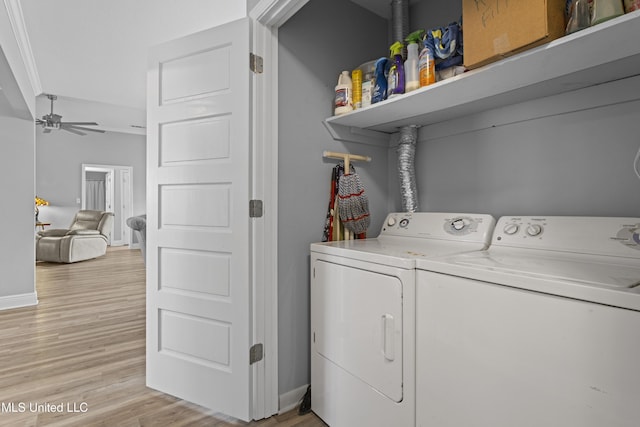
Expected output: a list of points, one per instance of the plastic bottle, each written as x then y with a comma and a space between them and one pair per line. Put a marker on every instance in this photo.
426, 66
396, 72
603, 10
356, 80
343, 99
367, 89
380, 81
411, 70
579, 16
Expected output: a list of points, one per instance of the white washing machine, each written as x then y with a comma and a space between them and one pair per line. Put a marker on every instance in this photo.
541, 329
363, 315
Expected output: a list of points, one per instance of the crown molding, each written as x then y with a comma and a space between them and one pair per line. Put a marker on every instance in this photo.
274, 13
19, 28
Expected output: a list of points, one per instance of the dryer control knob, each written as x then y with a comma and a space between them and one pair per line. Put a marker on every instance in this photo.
458, 224
534, 230
511, 229
391, 221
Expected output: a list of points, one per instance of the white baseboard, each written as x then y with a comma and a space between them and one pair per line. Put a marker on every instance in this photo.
290, 399
15, 301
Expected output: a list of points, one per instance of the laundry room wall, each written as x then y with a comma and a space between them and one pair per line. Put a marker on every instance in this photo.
577, 163
553, 156
315, 46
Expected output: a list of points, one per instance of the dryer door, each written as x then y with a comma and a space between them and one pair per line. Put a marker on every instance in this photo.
357, 324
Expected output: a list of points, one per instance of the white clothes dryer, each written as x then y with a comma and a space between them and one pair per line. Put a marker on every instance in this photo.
540, 329
363, 315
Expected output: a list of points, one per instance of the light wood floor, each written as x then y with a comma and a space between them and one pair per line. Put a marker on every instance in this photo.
82, 350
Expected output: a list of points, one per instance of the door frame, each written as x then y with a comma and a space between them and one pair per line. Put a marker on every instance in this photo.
268, 16
126, 203
110, 170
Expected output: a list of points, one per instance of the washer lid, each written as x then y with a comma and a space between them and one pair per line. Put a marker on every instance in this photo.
603, 279
609, 272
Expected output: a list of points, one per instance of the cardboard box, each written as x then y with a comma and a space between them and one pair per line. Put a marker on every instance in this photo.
494, 29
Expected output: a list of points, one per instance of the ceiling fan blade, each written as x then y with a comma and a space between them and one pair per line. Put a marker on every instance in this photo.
70, 126
83, 128
80, 123
39, 122
72, 130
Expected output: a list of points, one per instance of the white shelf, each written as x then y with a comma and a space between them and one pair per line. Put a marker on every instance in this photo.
600, 54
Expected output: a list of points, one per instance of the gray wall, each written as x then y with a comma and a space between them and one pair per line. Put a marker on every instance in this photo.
59, 159
17, 150
429, 14
315, 45
577, 163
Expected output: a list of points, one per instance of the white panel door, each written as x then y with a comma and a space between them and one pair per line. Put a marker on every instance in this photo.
198, 226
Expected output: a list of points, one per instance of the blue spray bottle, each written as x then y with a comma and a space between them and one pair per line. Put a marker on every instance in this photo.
396, 72
380, 84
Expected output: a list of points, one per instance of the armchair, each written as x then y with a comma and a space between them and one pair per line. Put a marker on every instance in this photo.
139, 226
87, 237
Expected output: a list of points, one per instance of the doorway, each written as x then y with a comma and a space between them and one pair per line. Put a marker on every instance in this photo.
109, 188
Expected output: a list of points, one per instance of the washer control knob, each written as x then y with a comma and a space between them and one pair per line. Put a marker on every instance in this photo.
404, 222
458, 224
511, 229
391, 221
534, 230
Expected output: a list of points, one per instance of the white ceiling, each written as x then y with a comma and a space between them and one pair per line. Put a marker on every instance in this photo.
93, 53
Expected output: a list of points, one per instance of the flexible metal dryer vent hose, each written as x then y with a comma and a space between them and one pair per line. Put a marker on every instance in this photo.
406, 168
408, 134
400, 22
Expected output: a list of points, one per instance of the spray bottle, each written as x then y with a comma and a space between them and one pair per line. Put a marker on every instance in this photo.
411, 70
396, 72
380, 85
427, 65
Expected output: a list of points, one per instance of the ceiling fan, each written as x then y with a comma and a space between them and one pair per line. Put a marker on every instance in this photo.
53, 121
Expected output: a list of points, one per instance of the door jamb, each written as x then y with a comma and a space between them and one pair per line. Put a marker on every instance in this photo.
268, 15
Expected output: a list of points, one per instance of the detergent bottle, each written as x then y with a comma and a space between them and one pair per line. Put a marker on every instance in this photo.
344, 94
396, 72
380, 81
427, 65
411, 70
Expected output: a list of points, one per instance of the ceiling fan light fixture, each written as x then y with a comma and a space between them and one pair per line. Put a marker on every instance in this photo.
50, 125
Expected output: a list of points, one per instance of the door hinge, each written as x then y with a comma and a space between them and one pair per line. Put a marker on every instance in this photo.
255, 208
255, 63
256, 352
